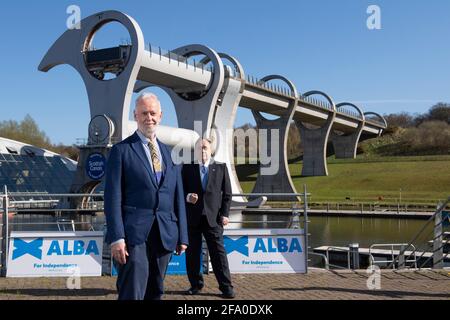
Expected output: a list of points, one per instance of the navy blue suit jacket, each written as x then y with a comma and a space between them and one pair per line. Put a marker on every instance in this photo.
133, 200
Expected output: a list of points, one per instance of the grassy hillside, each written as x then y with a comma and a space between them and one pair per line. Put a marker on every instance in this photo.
422, 179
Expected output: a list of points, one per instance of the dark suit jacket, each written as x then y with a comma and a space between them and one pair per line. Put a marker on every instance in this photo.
133, 200
215, 201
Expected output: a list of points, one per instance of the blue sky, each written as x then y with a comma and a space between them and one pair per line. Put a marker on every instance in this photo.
322, 45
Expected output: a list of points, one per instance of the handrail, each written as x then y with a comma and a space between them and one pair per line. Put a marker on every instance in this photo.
327, 263
342, 250
392, 245
438, 211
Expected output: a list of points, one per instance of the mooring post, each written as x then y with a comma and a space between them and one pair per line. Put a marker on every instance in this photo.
354, 255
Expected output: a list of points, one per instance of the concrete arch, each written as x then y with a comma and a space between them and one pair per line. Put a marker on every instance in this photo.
383, 120
377, 115
111, 98
224, 117
315, 141
198, 114
342, 104
195, 114
291, 110
345, 146
331, 116
282, 78
280, 181
237, 65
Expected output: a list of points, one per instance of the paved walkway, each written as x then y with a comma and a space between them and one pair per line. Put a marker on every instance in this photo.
317, 284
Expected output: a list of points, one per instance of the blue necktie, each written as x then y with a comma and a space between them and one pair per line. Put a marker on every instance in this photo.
205, 178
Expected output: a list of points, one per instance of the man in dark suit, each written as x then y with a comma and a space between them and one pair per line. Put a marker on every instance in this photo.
208, 195
144, 206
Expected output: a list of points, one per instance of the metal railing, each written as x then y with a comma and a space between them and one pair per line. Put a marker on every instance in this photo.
437, 233
55, 216
324, 257
327, 255
177, 59
401, 259
372, 207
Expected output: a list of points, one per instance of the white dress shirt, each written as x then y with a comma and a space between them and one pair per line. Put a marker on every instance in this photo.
200, 164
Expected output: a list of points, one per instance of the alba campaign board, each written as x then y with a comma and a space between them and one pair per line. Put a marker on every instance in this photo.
55, 254
266, 250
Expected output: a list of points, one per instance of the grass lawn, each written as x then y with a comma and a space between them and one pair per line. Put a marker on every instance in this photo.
422, 179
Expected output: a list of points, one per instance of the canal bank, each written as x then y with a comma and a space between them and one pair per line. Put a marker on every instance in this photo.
346, 213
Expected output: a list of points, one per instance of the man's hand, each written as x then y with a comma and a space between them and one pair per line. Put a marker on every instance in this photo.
193, 197
119, 252
225, 220
180, 249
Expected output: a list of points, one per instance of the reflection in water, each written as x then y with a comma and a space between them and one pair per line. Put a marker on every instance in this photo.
340, 231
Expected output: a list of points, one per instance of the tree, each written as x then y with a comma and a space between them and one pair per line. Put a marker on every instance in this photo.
438, 112
400, 120
26, 131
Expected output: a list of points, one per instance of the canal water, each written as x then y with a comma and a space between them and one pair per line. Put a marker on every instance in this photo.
332, 231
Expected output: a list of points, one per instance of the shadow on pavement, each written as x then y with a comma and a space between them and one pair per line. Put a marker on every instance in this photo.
58, 292
387, 293
199, 295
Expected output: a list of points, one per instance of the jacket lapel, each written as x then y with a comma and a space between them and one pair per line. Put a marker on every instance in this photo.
166, 159
211, 172
139, 149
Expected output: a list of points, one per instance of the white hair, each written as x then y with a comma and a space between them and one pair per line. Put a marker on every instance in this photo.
146, 95
212, 143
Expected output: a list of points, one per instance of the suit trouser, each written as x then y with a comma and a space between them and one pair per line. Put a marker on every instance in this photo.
219, 261
142, 277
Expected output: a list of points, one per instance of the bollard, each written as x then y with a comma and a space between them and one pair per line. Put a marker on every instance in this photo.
295, 218
354, 255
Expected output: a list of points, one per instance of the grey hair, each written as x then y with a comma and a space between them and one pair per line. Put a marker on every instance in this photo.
146, 95
211, 142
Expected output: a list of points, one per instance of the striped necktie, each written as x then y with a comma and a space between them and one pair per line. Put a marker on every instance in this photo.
155, 161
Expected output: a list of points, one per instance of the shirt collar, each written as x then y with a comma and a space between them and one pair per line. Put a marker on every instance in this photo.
206, 163
143, 138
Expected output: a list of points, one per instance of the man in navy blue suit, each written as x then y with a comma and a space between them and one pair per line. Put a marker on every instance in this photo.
144, 206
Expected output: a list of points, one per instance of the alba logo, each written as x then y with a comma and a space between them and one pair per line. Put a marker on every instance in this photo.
277, 245
68, 248
73, 248
262, 245
33, 248
239, 245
